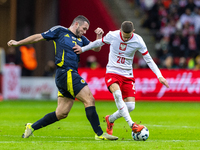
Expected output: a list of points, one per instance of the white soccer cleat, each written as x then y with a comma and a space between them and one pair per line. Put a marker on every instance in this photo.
106, 136
28, 131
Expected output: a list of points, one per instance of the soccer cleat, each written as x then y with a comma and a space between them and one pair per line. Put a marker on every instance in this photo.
137, 128
110, 125
105, 136
28, 131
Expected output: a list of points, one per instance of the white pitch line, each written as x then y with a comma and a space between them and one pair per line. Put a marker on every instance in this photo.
194, 141
43, 141
89, 138
61, 137
169, 126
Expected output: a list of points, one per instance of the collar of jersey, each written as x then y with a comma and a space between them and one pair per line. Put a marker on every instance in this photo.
72, 32
122, 38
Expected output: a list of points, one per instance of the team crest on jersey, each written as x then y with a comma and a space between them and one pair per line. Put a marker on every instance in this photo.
79, 39
73, 38
82, 81
122, 46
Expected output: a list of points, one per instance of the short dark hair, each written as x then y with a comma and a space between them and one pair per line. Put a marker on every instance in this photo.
127, 26
80, 19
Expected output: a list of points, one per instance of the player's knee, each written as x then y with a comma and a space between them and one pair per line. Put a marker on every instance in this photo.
86, 97
117, 95
89, 102
130, 106
62, 115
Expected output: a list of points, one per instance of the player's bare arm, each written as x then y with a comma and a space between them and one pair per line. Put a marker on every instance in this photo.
95, 47
99, 33
163, 81
29, 40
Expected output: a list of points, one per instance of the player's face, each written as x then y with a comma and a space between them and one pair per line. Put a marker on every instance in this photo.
82, 29
126, 36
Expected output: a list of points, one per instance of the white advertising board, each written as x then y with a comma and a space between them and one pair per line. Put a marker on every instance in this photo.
38, 88
11, 81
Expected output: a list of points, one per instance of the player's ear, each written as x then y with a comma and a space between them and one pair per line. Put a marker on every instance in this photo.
77, 24
133, 30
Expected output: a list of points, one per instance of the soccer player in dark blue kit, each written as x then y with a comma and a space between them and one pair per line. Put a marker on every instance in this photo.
69, 83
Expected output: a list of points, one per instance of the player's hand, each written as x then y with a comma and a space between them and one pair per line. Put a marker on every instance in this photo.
99, 31
13, 43
77, 49
163, 81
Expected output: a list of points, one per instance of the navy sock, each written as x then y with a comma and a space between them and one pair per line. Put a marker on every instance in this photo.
46, 120
94, 119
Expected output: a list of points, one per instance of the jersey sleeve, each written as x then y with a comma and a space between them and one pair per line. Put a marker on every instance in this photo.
107, 38
143, 48
152, 65
85, 41
51, 33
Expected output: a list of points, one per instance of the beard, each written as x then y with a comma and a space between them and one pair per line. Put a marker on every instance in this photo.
78, 34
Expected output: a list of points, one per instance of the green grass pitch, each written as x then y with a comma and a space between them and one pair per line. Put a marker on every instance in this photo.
172, 125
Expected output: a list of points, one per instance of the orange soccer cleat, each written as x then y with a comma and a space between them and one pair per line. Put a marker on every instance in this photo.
110, 125
137, 128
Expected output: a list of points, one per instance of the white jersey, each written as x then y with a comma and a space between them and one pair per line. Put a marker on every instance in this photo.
122, 53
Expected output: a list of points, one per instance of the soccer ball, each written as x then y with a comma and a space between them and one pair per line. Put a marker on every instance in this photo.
142, 135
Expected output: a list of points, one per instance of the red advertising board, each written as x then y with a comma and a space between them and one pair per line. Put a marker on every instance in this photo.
184, 85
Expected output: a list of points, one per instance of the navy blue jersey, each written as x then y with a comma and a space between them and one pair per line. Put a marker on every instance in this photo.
64, 40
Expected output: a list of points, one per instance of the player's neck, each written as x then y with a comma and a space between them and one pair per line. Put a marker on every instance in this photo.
72, 29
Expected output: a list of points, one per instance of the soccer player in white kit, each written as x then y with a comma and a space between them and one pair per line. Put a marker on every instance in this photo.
119, 72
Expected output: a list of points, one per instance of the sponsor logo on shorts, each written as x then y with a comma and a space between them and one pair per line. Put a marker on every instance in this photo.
109, 80
82, 81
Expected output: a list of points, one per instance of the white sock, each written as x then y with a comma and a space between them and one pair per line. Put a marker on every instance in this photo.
116, 115
130, 106
122, 109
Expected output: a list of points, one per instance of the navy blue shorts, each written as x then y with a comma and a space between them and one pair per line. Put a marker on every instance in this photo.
68, 82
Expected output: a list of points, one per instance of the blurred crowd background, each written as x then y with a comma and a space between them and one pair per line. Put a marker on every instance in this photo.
173, 25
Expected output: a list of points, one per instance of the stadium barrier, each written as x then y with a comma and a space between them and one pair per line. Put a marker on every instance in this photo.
2, 63
184, 85
1, 93
11, 81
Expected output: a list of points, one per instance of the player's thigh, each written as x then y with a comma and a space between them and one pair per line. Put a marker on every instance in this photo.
113, 81
113, 87
128, 90
129, 99
64, 106
85, 96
